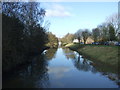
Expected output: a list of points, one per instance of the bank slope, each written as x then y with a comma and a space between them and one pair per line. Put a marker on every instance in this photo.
104, 54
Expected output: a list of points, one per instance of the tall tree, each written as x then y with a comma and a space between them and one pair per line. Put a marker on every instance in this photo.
104, 32
85, 35
95, 34
114, 21
29, 13
111, 33
78, 35
22, 31
12, 42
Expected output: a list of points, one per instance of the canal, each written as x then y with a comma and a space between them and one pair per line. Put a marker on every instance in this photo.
62, 68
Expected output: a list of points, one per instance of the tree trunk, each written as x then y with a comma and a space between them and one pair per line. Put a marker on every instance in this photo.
79, 40
84, 41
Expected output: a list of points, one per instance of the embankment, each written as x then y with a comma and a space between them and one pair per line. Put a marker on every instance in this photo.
106, 55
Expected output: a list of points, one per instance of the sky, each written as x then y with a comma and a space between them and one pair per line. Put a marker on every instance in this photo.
68, 17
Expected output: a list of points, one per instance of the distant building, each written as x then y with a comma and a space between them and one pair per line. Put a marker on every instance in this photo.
89, 40
75, 41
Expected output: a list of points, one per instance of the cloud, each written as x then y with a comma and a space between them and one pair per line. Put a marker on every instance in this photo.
57, 11
59, 72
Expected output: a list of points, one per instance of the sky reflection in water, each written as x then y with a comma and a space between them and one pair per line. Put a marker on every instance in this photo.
70, 70
61, 68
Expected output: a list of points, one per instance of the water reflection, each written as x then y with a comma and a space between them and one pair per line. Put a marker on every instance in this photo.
32, 76
50, 53
79, 62
69, 53
83, 64
59, 71
62, 68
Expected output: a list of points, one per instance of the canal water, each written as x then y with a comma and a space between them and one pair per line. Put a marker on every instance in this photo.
62, 68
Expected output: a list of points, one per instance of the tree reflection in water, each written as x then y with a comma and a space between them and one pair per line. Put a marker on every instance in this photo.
69, 53
36, 74
81, 63
33, 76
50, 54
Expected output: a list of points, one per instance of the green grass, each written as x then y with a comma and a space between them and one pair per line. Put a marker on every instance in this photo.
68, 45
73, 46
102, 53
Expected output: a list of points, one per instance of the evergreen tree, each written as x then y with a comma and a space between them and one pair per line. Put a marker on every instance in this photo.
111, 33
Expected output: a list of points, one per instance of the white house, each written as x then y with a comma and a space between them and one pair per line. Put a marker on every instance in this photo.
75, 41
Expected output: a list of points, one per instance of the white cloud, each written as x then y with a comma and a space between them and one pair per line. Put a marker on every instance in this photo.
59, 72
57, 11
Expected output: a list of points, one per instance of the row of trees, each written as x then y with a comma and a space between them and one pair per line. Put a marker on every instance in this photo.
23, 32
82, 34
104, 34
107, 31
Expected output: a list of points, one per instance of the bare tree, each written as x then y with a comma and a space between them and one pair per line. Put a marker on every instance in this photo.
78, 35
95, 34
85, 35
111, 33
113, 20
103, 32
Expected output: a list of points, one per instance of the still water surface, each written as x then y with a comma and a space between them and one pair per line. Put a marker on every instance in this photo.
61, 68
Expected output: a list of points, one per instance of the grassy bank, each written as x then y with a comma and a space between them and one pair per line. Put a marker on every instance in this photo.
104, 54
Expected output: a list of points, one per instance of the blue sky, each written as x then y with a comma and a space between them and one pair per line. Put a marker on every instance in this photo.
70, 16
